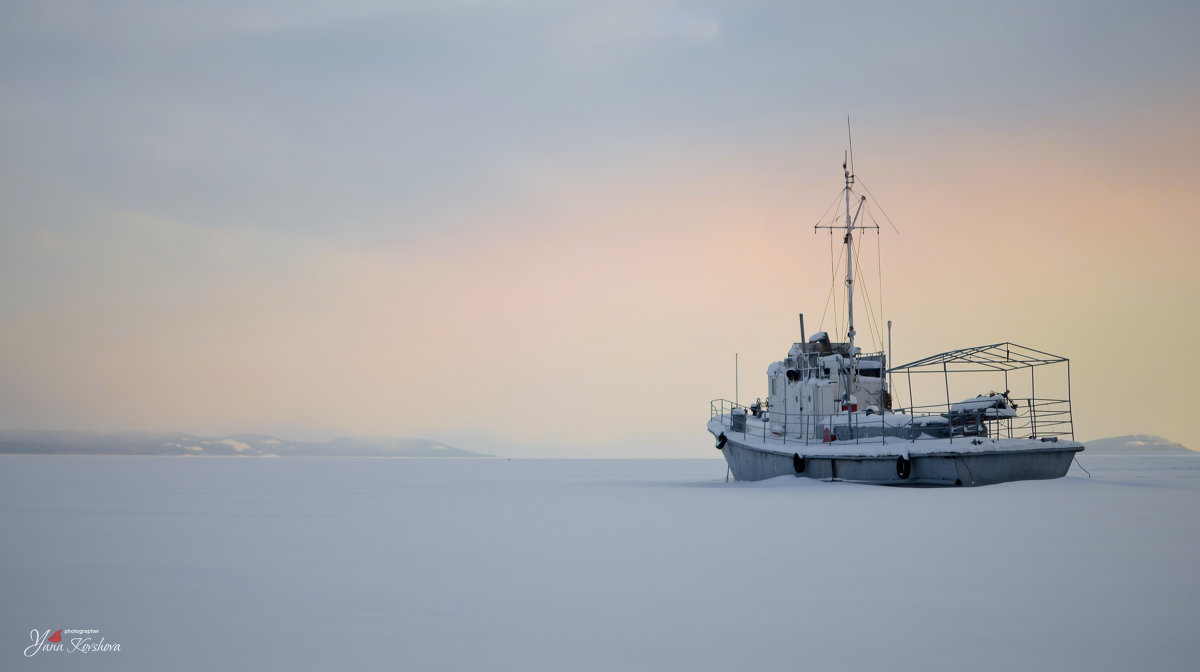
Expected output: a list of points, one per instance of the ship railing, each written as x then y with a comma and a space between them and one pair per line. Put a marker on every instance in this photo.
1033, 417
1041, 418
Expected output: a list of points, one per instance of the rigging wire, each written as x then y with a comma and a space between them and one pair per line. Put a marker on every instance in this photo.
832, 205
834, 286
885, 215
872, 330
879, 323
875, 325
834, 265
879, 280
829, 296
876, 333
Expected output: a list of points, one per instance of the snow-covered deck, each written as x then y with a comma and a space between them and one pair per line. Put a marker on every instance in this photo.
758, 435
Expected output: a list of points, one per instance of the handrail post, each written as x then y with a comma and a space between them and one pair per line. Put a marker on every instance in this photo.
949, 412
1070, 413
1033, 400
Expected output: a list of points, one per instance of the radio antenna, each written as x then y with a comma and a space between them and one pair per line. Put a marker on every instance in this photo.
851, 137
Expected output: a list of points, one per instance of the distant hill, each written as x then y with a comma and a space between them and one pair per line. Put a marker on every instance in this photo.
1136, 444
246, 445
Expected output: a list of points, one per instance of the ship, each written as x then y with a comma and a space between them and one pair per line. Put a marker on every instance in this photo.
830, 413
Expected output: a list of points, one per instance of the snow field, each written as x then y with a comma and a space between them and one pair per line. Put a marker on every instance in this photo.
465, 564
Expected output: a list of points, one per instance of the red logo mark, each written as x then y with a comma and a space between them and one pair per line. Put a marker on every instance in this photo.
56, 637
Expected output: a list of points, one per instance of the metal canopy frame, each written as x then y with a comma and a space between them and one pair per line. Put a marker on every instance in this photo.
1046, 417
982, 359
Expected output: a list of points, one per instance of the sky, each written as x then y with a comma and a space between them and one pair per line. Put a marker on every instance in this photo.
548, 229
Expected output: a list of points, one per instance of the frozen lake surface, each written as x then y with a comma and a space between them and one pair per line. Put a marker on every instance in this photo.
474, 564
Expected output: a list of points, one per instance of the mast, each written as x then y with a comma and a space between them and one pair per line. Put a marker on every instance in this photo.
849, 241
849, 371
849, 258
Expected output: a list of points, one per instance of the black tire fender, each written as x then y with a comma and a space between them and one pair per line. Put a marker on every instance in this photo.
798, 463
721, 440
903, 467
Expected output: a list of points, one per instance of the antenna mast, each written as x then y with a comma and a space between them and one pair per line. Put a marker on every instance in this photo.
850, 136
850, 259
848, 227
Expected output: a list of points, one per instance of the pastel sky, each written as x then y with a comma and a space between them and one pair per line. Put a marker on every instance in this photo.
546, 228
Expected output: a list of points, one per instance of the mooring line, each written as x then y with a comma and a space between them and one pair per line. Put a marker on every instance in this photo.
1081, 467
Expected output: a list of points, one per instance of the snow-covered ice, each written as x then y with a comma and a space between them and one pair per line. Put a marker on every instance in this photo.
426, 564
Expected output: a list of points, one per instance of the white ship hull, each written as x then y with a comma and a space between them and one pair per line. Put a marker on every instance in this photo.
936, 462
